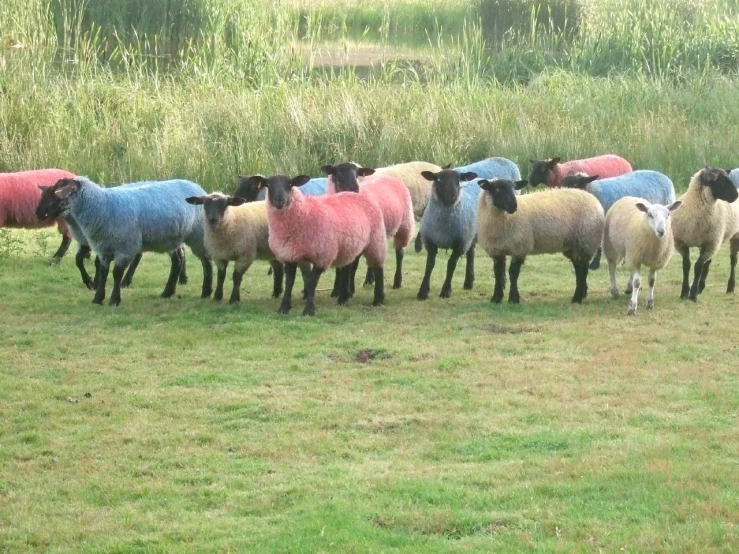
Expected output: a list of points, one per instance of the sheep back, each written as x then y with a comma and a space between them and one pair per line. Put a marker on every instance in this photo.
607, 165
493, 168
314, 187
547, 222
452, 226
394, 201
410, 174
20, 195
652, 186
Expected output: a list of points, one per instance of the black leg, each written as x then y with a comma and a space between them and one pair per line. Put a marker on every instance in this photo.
115, 296
697, 274
469, 270
685, 253
337, 283
344, 284
128, 277
499, 275
63, 247
221, 267
732, 274
277, 274
513, 271
236, 291
418, 245
207, 277
310, 293
287, 299
704, 276
369, 277
581, 279
183, 273
95, 279
595, 264
398, 279
174, 275
423, 292
304, 272
79, 260
102, 278
379, 287
451, 266
353, 276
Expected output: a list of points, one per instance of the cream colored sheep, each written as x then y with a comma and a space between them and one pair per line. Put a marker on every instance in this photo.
709, 216
410, 174
561, 220
638, 233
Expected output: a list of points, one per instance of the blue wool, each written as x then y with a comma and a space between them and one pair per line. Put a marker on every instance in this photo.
493, 168
447, 226
152, 216
653, 186
314, 187
734, 176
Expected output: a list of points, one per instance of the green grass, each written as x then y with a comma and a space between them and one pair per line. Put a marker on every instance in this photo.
444, 426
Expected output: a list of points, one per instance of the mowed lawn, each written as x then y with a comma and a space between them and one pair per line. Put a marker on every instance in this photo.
455, 425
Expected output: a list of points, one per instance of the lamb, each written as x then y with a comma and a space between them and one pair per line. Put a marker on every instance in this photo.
327, 231
236, 231
652, 186
120, 222
551, 172
19, 196
253, 191
708, 217
568, 221
391, 195
47, 202
638, 233
450, 222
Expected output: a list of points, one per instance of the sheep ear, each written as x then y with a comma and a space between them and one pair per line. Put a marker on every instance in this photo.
329, 169
447, 166
299, 180
484, 184
675, 205
196, 200
67, 189
428, 175
257, 181
532, 161
521, 184
365, 171
468, 176
43, 188
553, 162
235, 201
641, 207
590, 179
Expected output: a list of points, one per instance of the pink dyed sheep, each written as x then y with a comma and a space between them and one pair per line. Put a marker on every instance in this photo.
393, 198
327, 231
19, 196
551, 172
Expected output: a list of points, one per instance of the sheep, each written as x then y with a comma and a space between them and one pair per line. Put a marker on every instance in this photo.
19, 196
120, 222
392, 196
551, 172
734, 175
47, 202
708, 217
568, 221
638, 233
237, 231
325, 231
652, 186
252, 191
450, 222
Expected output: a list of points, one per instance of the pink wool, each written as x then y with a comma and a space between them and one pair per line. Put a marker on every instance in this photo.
20, 195
394, 201
608, 165
328, 231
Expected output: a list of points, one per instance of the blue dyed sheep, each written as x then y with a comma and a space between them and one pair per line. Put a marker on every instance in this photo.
450, 221
653, 186
120, 222
734, 176
251, 191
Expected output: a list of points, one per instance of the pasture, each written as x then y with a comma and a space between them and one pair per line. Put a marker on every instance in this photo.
455, 425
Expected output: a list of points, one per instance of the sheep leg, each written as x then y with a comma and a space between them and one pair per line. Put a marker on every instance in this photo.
431, 251
369, 277
236, 290
379, 287
118, 271
451, 266
174, 274
652, 281
353, 276
499, 275
398, 279
595, 264
513, 272
128, 277
310, 290
697, 274
102, 278
612, 274
277, 273
337, 283
636, 279
685, 253
183, 273
344, 286
207, 277
95, 279
732, 274
469, 270
304, 271
221, 266
418, 245
581, 279
79, 260
287, 298
63, 247
704, 275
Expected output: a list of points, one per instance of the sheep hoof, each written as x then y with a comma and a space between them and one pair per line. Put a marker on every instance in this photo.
206, 293
496, 299
183, 280
445, 293
97, 301
234, 301
595, 265
650, 304
167, 294
423, 294
218, 297
730, 288
614, 293
114, 302
577, 300
378, 302
514, 300
276, 294
309, 311
467, 286
632, 310
284, 309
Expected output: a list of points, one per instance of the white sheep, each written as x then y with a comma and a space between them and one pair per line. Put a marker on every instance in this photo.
708, 217
638, 233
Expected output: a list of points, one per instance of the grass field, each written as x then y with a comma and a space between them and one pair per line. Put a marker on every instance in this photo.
446, 426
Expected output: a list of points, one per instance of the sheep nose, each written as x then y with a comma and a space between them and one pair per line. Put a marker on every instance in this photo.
660, 233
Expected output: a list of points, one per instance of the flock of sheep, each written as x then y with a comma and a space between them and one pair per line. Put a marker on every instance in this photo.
314, 224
